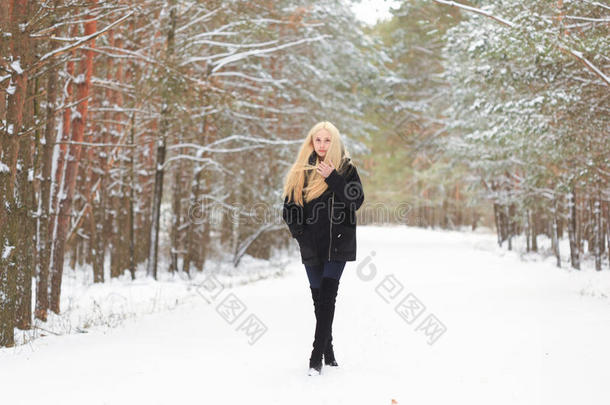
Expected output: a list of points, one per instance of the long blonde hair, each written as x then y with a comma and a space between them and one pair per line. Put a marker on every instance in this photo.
294, 182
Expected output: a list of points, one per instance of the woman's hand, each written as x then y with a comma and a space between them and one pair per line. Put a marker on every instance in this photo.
325, 169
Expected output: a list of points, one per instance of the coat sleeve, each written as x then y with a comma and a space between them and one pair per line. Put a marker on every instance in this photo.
293, 216
347, 189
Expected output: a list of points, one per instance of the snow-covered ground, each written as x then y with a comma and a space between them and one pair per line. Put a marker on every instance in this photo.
87, 306
423, 316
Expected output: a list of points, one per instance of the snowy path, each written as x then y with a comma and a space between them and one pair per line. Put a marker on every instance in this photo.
517, 333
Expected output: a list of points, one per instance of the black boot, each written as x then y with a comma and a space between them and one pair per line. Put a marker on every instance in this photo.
329, 354
326, 302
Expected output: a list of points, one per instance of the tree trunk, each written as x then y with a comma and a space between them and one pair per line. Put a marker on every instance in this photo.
19, 50
574, 245
26, 259
42, 281
554, 233
498, 222
607, 216
176, 214
44, 250
475, 219
83, 84
132, 186
528, 233
161, 148
195, 216
509, 220
534, 222
156, 208
597, 230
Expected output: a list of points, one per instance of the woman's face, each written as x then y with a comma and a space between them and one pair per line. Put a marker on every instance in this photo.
321, 142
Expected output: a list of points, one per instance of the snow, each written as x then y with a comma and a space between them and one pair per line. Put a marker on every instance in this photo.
479, 43
6, 251
4, 168
80, 79
16, 66
373, 11
518, 331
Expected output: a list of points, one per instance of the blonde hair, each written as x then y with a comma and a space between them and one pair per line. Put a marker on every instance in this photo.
294, 182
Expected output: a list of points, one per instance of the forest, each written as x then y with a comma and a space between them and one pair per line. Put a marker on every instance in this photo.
156, 134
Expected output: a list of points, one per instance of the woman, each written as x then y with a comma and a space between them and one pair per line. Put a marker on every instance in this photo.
322, 192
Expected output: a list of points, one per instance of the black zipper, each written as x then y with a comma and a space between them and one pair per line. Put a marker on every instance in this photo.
330, 243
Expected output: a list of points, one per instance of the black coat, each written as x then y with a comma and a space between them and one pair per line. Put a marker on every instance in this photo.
323, 236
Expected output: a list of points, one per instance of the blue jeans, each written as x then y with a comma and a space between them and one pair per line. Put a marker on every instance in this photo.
330, 269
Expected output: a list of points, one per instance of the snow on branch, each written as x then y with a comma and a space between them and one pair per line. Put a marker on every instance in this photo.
211, 146
256, 143
245, 244
201, 18
573, 17
588, 64
476, 10
124, 145
208, 161
595, 3
80, 41
242, 55
575, 54
249, 77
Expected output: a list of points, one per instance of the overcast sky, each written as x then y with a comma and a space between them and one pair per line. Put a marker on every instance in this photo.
371, 10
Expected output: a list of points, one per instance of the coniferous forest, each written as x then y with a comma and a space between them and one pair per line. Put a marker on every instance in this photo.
155, 135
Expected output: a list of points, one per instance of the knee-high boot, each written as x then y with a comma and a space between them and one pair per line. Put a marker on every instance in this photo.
327, 299
329, 353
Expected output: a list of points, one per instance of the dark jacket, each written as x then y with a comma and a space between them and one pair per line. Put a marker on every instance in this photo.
326, 226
